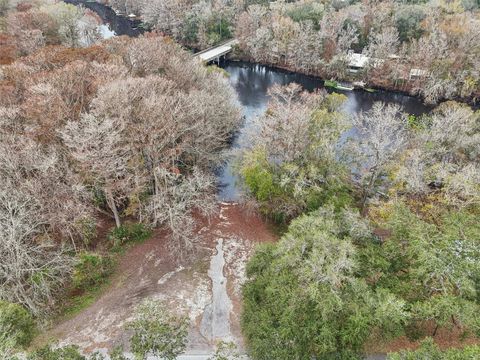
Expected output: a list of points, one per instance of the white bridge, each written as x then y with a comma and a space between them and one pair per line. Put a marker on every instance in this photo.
215, 53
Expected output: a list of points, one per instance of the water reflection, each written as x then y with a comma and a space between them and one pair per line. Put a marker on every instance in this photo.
252, 81
106, 32
118, 25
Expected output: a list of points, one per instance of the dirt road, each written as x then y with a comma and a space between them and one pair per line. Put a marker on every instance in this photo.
207, 290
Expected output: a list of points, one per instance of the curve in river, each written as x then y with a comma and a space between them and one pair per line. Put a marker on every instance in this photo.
113, 24
251, 82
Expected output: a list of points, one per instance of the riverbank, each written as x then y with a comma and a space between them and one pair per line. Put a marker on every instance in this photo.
374, 85
123, 25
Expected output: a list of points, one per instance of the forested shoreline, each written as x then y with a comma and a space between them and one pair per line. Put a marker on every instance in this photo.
377, 211
421, 48
384, 237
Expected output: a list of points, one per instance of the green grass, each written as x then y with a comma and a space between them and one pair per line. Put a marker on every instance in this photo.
128, 233
75, 304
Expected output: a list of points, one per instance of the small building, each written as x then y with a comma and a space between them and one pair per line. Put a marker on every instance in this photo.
357, 62
417, 74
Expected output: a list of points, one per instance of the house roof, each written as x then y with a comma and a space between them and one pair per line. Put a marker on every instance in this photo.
357, 60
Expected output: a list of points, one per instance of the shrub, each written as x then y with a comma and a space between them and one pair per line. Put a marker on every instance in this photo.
157, 332
70, 352
129, 233
430, 350
117, 353
91, 270
88, 229
226, 351
16, 324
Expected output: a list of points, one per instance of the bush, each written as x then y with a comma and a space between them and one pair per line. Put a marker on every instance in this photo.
129, 233
16, 324
91, 270
88, 229
430, 350
157, 332
70, 352
226, 351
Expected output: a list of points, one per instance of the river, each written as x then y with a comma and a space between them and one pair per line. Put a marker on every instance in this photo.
251, 82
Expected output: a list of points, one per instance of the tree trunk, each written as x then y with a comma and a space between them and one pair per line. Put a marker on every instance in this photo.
113, 207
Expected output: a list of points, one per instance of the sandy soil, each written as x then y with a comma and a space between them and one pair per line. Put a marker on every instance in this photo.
147, 270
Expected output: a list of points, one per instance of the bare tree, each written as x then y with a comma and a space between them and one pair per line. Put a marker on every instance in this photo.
43, 175
444, 155
380, 135
174, 202
384, 43
294, 149
33, 267
165, 16
285, 127
100, 148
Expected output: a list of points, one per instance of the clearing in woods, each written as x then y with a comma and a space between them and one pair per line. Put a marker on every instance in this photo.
208, 289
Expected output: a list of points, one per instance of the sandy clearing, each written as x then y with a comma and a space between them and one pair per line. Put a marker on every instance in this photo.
147, 270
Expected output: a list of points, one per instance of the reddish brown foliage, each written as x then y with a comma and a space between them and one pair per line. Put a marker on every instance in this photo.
8, 50
7, 93
24, 6
34, 19
53, 57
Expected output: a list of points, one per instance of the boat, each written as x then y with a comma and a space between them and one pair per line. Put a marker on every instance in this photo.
339, 85
362, 85
330, 83
359, 84
344, 86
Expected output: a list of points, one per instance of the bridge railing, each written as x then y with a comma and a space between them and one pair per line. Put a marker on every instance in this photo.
216, 46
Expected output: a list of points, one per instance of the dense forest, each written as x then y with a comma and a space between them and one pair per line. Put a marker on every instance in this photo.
126, 128
385, 235
377, 211
438, 40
